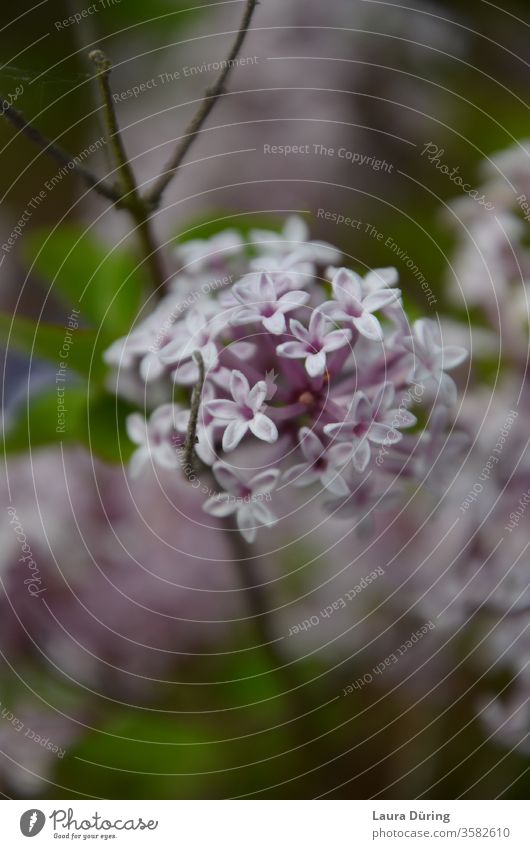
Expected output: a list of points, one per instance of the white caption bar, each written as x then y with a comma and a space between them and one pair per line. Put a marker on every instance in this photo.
262, 824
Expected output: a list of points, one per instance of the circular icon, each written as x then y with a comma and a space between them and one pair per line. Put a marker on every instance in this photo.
31, 822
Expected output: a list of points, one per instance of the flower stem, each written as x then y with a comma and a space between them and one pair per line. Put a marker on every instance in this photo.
301, 706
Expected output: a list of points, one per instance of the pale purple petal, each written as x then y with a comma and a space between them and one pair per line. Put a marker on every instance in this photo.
310, 444
300, 475
383, 434
138, 461
228, 479
317, 324
257, 395
246, 315
165, 455
336, 339
137, 428
333, 481
452, 356
384, 397
299, 330
368, 325
275, 323
263, 515
265, 289
316, 364
234, 433
334, 311
346, 285
361, 455
292, 299
293, 350
246, 522
239, 387
380, 277
263, 427
341, 430
382, 298
339, 454
224, 410
265, 481
361, 409
220, 505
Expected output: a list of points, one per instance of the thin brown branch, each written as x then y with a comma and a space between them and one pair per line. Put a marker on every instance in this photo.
58, 153
208, 102
104, 67
131, 198
191, 435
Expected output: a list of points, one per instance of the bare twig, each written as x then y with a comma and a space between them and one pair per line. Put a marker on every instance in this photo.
191, 435
131, 198
208, 102
104, 66
58, 153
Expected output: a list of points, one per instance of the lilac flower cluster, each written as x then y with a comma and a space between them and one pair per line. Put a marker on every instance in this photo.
301, 354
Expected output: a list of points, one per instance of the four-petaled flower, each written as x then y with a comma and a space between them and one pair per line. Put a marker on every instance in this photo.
157, 439
197, 334
244, 413
314, 343
431, 359
261, 302
244, 495
210, 254
352, 305
294, 239
323, 464
371, 421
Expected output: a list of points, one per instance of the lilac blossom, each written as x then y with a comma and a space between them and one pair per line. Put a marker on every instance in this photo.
431, 359
371, 421
244, 413
156, 439
295, 237
314, 382
210, 254
262, 303
313, 343
353, 306
321, 464
243, 495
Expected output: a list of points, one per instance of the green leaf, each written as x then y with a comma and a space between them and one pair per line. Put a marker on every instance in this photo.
39, 424
78, 348
104, 428
206, 226
105, 284
71, 415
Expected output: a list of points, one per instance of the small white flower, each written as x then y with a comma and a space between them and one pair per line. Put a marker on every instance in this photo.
210, 254
243, 496
323, 464
196, 333
431, 359
314, 343
294, 239
244, 413
353, 306
261, 303
156, 439
373, 421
